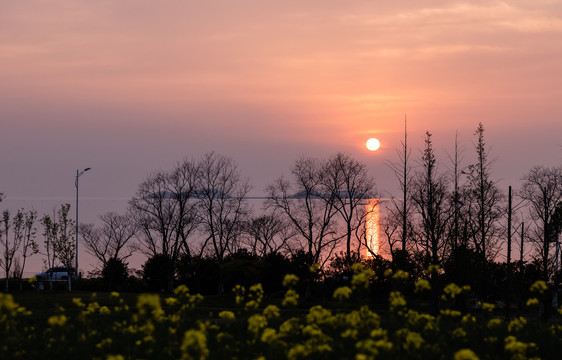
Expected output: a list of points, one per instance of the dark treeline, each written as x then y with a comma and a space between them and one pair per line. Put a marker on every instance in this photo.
195, 225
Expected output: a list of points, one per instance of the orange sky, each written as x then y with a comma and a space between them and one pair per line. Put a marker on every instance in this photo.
127, 87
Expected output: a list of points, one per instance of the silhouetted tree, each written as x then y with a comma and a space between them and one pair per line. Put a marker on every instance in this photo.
389, 228
309, 209
200, 274
223, 207
402, 207
115, 273
164, 211
10, 243
483, 205
156, 272
431, 197
542, 188
268, 234
112, 240
352, 188
59, 241
29, 246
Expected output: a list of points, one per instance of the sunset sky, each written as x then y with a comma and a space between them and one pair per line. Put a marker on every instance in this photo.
128, 87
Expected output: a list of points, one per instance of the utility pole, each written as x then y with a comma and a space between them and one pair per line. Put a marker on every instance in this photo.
509, 272
78, 174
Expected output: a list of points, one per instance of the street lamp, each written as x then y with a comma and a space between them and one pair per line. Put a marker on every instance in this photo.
78, 174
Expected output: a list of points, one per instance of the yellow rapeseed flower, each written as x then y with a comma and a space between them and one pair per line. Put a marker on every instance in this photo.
256, 322
290, 280
78, 302
227, 315
104, 310
361, 280
357, 267
194, 345
319, 315
468, 319
312, 331
516, 324
104, 343
459, 333
298, 351
494, 323
291, 298
422, 285
342, 293
413, 341
451, 313
401, 275
92, 308
269, 336
396, 300
518, 349
465, 354
171, 301
150, 304
432, 269
256, 289
271, 311
255, 295
487, 306
114, 357
57, 320
451, 291
539, 286
290, 326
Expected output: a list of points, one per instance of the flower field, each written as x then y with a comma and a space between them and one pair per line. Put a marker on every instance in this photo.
417, 322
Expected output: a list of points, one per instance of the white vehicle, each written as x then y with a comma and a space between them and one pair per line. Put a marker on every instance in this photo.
59, 273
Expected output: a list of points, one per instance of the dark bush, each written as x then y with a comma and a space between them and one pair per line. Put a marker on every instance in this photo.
158, 272
115, 274
200, 274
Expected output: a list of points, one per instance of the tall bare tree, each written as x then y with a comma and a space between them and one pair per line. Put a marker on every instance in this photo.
29, 246
431, 197
309, 209
112, 240
456, 201
350, 187
154, 212
59, 243
484, 205
184, 183
401, 207
223, 207
542, 188
164, 212
268, 234
65, 245
390, 226
10, 242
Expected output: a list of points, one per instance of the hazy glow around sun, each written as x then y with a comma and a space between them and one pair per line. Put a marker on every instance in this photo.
373, 144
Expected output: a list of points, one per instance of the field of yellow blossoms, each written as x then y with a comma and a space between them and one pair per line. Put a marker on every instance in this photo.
175, 326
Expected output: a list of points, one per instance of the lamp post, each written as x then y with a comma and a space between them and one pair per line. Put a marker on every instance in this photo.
78, 174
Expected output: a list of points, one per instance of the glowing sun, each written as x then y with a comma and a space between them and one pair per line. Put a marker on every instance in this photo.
373, 144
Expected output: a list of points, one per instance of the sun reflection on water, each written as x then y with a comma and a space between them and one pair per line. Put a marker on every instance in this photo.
372, 228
